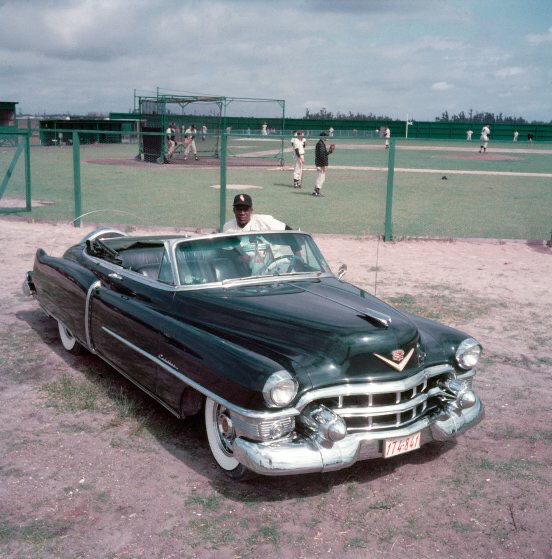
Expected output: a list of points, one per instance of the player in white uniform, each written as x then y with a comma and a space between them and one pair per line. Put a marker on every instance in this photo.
331, 132
387, 137
516, 134
189, 140
298, 145
203, 132
264, 129
485, 131
171, 140
469, 134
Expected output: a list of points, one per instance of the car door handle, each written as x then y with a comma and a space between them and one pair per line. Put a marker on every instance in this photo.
113, 275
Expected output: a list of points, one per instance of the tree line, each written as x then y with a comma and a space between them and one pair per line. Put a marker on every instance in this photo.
470, 116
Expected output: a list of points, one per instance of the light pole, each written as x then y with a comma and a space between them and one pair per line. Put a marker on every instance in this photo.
408, 123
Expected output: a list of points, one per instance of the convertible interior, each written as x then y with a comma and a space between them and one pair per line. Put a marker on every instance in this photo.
209, 260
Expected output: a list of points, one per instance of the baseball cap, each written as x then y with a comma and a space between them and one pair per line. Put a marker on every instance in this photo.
243, 200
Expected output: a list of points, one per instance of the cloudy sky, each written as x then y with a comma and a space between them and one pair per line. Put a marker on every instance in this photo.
389, 57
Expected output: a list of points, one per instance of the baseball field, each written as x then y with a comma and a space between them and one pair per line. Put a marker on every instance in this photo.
440, 189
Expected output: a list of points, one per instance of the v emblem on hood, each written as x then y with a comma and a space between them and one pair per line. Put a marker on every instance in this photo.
397, 366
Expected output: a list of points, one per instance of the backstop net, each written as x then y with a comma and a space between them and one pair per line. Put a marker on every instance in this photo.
179, 127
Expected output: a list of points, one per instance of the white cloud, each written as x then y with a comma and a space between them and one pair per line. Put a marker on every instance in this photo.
441, 86
539, 38
508, 72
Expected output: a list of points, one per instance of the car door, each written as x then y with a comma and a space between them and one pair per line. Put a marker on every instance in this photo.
126, 312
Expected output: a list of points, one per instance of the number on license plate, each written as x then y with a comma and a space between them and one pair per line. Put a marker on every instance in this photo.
400, 445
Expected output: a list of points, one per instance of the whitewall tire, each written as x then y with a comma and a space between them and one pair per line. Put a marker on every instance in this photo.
68, 341
221, 434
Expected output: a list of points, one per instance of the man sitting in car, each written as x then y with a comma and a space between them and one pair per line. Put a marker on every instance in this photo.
255, 253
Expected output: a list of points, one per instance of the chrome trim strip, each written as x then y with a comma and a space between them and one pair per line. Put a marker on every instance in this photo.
140, 386
373, 387
87, 316
250, 414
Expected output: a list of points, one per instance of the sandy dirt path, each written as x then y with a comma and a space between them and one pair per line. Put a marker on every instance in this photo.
91, 468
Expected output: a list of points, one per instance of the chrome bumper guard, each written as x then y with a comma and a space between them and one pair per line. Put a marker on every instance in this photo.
307, 455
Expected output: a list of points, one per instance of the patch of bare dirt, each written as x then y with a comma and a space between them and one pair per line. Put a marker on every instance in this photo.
90, 467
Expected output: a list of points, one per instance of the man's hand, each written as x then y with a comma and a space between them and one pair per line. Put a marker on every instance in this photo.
332, 148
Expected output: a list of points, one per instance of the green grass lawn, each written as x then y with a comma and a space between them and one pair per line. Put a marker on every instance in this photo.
474, 205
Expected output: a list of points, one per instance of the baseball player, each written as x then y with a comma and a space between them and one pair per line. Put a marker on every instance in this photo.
189, 140
516, 135
171, 140
245, 220
264, 129
203, 132
321, 161
469, 134
298, 145
387, 137
485, 131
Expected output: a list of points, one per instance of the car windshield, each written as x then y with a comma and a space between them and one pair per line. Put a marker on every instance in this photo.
234, 257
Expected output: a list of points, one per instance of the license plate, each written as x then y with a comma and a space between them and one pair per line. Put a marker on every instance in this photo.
400, 445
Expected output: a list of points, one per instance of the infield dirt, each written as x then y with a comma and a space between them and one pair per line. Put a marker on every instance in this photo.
89, 467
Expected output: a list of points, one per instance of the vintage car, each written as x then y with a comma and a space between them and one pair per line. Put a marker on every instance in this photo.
294, 369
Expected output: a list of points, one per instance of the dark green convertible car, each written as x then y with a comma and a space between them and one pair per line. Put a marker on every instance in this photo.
294, 369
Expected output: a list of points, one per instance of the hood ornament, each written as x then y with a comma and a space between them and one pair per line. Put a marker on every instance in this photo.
399, 360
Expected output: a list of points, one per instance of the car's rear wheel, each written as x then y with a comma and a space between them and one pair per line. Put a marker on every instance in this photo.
68, 341
221, 435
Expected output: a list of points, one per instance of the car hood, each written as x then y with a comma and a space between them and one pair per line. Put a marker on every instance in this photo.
324, 329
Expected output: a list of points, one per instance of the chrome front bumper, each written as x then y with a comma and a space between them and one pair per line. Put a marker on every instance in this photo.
306, 455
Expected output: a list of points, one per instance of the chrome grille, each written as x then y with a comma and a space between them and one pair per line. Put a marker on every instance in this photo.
387, 410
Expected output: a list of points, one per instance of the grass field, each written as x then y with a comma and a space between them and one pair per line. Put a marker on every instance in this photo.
506, 193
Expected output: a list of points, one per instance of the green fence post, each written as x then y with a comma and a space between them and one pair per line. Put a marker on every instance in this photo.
28, 168
389, 199
222, 198
77, 179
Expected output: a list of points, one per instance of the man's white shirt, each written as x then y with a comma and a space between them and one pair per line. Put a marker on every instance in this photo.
258, 222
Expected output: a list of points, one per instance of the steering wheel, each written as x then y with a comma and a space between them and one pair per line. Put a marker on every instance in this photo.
275, 264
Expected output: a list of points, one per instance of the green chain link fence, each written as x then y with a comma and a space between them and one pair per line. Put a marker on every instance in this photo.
419, 188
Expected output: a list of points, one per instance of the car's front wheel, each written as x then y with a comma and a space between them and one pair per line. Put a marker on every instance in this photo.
68, 341
221, 435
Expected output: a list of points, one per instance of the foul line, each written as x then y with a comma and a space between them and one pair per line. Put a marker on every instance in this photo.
438, 171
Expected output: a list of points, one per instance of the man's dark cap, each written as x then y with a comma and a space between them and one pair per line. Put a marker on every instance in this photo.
243, 200
323, 134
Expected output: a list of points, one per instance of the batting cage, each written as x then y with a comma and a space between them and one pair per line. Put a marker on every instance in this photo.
176, 128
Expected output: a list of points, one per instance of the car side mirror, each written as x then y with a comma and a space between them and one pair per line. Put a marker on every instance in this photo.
341, 271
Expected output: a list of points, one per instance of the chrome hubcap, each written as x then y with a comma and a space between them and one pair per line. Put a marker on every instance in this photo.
225, 430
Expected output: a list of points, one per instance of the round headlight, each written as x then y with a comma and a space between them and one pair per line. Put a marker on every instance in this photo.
468, 353
280, 389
